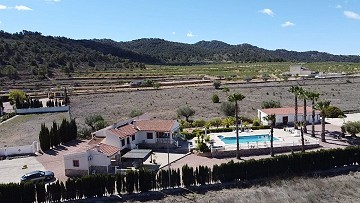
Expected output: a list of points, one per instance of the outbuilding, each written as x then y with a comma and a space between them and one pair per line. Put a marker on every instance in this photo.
286, 116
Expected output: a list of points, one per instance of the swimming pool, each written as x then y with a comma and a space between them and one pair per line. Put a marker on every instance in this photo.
246, 139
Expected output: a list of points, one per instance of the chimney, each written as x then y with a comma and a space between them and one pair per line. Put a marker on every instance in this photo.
98, 147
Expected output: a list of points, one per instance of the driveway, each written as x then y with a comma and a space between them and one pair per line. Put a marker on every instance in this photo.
53, 160
12, 170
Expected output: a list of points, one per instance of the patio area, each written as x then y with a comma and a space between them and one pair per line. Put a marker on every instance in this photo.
282, 138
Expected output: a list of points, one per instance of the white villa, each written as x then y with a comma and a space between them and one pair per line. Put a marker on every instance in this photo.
286, 116
109, 145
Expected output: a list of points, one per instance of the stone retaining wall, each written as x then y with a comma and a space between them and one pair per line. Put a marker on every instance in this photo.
256, 152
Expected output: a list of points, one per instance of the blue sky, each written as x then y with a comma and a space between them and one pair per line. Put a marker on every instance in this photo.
324, 25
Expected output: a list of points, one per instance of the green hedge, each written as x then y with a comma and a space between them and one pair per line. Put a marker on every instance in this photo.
143, 180
260, 127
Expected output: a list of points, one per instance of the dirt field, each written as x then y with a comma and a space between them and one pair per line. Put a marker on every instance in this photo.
343, 188
164, 102
24, 129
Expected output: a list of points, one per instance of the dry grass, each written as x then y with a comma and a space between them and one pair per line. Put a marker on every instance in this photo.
164, 102
343, 188
24, 129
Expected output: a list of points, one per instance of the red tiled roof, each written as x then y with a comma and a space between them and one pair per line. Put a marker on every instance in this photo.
106, 149
95, 140
288, 111
124, 131
155, 125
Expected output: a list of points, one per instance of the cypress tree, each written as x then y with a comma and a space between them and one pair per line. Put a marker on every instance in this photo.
40, 192
119, 183
63, 191
73, 129
44, 137
110, 184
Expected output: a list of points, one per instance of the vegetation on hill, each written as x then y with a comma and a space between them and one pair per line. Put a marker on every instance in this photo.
217, 51
29, 53
32, 53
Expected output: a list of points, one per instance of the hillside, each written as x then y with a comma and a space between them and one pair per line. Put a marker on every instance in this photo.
217, 51
31, 55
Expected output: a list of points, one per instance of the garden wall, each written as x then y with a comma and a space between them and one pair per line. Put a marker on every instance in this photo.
256, 152
43, 110
19, 150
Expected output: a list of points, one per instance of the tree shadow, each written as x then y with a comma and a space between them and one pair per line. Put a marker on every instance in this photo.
55, 151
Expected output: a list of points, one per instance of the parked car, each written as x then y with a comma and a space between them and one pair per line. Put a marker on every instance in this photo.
37, 176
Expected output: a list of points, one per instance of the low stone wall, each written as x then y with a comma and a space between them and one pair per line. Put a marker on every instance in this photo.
42, 110
256, 152
75, 172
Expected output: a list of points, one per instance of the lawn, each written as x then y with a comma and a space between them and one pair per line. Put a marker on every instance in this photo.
24, 129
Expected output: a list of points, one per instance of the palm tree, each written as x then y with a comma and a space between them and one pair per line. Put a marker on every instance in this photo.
235, 98
271, 119
304, 94
295, 90
322, 106
301, 125
313, 96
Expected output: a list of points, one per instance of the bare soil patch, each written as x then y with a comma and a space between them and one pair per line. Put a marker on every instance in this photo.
163, 103
24, 129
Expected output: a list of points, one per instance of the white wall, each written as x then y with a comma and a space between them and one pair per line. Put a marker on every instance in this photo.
81, 156
43, 110
291, 118
98, 159
113, 140
18, 150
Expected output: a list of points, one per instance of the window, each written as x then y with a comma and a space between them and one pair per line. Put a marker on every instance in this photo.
149, 136
123, 142
76, 163
128, 140
133, 137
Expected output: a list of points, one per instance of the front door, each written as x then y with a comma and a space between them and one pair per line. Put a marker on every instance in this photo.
285, 120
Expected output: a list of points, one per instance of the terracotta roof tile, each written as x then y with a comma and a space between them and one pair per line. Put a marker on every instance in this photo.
155, 125
106, 149
95, 140
124, 131
287, 111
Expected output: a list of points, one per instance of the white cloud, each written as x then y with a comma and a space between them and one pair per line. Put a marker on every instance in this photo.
352, 15
3, 7
22, 8
174, 33
287, 24
267, 11
338, 6
190, 34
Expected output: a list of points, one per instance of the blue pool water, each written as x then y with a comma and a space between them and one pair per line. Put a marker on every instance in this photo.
246, 139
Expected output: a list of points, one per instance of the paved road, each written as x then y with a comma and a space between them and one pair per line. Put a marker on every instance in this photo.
12, 170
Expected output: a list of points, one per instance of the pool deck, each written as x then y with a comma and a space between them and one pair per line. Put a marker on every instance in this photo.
285, 138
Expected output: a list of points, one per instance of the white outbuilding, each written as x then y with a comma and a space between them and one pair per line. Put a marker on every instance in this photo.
286, 116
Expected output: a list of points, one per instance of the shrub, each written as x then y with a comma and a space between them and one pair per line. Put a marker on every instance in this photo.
228, 108
215, 98
199, 123
333, 112
217, 84
270, 104
260, 127
256, 122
